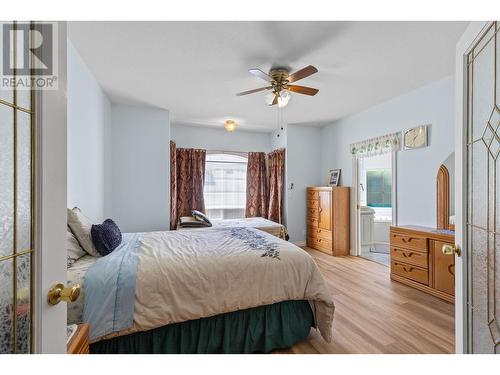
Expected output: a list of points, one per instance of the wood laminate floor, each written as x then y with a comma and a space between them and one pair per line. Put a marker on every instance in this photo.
376, 315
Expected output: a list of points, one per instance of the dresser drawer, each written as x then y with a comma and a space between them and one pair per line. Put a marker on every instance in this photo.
411, 272
409, 242
313, 203
319, 233
84, 349
319, 243
79, 343
416, 258
312, 221
312, 213
312, 195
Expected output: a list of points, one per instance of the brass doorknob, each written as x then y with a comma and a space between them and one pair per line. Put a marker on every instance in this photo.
451, 249
58, 292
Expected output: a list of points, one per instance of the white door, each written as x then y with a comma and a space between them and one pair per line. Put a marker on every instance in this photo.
32, 203
478, 186
50, 325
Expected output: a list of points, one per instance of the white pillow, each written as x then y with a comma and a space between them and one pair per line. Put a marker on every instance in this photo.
74, 250
80, 226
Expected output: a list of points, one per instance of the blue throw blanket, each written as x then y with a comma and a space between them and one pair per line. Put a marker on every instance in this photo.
110, 289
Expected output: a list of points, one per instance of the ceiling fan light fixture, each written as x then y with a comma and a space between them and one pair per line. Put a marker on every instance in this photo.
282, 102
269, 97
279, 80
285, 95
283, 98
230, 125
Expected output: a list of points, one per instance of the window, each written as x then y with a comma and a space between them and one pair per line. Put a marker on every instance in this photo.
379, 188
225, 186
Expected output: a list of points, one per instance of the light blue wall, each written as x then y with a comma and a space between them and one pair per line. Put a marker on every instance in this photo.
118, 155
140, 160
219, 139
89, 123
302, 169
416, 169
278, 138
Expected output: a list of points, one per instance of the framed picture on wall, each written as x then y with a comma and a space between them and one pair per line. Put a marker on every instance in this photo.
334, 177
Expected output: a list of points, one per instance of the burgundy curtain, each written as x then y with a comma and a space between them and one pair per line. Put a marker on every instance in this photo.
257, 199
276, 164
173, 185
187, 184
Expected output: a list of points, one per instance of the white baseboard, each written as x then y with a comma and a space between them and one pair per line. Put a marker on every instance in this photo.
300, 243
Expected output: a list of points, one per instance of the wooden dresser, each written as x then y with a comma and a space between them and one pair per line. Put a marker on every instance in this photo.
328, 219
417, 260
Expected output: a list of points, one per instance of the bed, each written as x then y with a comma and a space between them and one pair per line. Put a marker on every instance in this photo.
223, 290
259, 223
76, 275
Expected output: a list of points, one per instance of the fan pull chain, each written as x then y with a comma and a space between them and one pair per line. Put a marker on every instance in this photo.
282, 122
278, 120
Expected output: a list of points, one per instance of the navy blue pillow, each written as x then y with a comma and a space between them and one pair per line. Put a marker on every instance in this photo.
106, 236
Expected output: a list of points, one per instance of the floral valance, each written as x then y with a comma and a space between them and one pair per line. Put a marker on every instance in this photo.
376, 146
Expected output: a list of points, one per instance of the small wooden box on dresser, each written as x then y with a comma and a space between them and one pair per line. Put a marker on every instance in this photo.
417, 260
328, 219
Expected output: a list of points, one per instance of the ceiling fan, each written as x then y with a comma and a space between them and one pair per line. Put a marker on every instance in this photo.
280, 84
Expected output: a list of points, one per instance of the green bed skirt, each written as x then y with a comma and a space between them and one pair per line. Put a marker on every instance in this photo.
259, 329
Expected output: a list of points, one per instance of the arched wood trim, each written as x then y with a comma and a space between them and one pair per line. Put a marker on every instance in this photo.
443, 198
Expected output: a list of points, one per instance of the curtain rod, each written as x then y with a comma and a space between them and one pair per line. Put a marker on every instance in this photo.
227, 152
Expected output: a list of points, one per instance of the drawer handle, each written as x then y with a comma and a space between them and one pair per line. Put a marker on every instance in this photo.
451, 269
408, 270
407, 256
406, 240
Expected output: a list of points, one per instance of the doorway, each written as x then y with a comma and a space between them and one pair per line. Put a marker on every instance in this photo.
375, 213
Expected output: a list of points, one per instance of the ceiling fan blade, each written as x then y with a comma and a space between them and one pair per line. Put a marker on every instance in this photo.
254, 90
259, 73
303, 90
302, 73
275, 100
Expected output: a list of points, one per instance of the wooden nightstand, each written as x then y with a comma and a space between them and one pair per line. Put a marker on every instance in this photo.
79, 343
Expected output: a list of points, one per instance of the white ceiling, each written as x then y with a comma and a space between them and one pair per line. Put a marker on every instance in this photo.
194, 69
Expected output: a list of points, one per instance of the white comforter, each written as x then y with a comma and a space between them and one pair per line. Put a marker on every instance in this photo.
76, 275
186, 275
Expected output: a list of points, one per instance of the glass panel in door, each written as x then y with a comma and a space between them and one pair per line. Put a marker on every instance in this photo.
483, 216
16, 224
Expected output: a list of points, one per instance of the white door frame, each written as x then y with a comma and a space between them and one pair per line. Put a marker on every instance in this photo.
355, 238
473, 31
49, 326
354, 212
